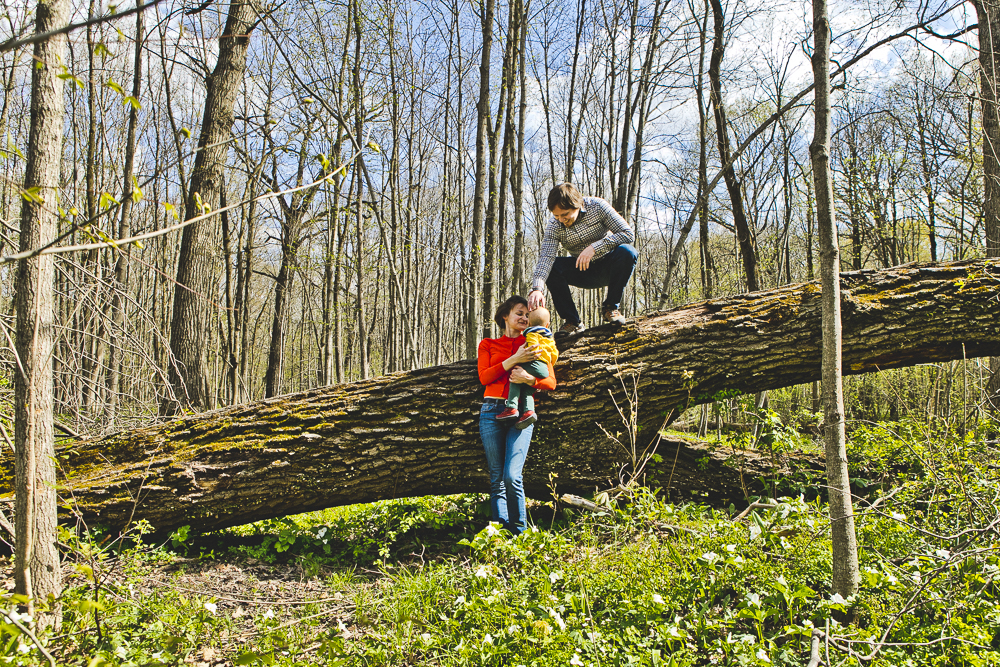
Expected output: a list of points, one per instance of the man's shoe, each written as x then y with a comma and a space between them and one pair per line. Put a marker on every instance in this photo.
613, 316
570, 328
507, 415
527, 419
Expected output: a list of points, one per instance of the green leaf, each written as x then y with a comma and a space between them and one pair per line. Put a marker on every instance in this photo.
11, 146
89, 606
85, 570
133, 101
101, 49
115, 87
105, 238
136, 190
107, 199
186, 132
66, 76
33, 195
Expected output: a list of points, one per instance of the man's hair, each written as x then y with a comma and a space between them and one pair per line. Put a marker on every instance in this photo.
566, 197
539, 317
505, 308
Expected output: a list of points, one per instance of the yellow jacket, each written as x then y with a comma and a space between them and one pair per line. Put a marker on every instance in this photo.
541, 337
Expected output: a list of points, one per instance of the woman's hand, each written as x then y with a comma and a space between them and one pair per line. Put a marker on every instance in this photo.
524, 354
520, 376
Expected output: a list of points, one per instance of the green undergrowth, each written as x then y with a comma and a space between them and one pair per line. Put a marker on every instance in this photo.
639, 582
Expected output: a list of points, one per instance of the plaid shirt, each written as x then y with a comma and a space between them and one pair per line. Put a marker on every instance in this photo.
597, 224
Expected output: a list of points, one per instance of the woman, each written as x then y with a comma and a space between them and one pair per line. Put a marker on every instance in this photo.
506, 445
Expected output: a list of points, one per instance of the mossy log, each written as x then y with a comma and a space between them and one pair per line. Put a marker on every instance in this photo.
416, 433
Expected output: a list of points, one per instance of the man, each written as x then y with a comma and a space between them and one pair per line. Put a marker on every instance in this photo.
600, 242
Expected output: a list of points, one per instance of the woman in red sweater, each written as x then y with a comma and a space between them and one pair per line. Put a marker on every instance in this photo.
506, 444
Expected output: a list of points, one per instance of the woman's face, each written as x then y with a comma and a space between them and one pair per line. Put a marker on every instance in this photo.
517, 318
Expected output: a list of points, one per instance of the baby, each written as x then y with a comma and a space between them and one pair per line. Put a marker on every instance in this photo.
539, 335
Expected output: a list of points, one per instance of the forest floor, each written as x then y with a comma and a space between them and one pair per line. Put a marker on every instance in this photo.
641, 581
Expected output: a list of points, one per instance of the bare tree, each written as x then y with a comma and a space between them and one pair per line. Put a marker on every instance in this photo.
474, 326
190, 324
846, 576
36, 559
989, 78
744, 235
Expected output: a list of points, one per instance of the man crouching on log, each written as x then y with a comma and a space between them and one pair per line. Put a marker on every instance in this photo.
600, 244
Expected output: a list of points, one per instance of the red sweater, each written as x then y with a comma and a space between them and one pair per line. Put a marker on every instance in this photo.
492, 353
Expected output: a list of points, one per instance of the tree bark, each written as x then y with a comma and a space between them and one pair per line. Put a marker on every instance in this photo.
119, 267
36, 559
988, 12
478, 319
416, 433
846, 576
190, 324
744, 235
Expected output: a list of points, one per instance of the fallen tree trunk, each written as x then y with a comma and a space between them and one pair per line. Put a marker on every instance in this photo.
416, 433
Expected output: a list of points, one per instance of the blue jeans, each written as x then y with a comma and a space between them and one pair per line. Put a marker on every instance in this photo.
612, 271
506, 449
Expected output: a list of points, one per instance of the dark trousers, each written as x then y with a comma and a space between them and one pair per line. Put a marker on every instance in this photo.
612, 271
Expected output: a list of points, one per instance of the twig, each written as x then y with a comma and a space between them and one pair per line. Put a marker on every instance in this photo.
581, 503
30, 635
6, 525
167, 230
754, 506
239, 600
814, 659
42, 36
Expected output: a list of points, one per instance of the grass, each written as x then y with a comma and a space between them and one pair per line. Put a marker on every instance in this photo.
644, 582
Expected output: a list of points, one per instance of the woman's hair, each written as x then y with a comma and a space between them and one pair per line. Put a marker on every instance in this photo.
504, 310
566, 197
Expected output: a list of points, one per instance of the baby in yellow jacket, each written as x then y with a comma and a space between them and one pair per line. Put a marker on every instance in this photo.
539, 335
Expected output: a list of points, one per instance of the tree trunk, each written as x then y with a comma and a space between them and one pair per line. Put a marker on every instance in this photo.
744, 236
36, 559
704, 239
988, 12
417, 433
846, 576
473, 325
293, 212
130, 194
195, 294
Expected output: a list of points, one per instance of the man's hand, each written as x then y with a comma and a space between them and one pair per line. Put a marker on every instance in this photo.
536, 299
520, 376
583, 259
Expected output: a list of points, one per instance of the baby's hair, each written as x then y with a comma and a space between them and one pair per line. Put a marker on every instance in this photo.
539, 317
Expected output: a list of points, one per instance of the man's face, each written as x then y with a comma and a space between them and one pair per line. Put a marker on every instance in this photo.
567, 216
